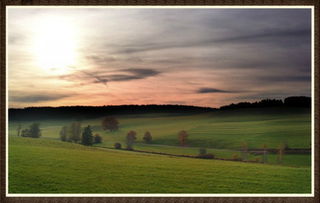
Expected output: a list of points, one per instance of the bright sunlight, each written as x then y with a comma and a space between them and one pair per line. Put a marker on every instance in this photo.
55, 44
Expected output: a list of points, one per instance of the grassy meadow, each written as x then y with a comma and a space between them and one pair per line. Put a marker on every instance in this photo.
51, 166
48, 165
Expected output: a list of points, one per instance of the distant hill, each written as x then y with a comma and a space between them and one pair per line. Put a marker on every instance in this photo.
83, 112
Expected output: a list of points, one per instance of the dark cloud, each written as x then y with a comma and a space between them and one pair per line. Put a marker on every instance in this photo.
206, 90
37, 98
111, 76
276, 37
98, 79
284, 78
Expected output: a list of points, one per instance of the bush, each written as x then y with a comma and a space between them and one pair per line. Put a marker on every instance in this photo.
117, 145
202, 151
25, 133
97, 139
236, 157
147, 137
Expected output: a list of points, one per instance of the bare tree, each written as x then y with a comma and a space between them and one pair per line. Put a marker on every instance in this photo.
63, 133
131, 137
19, 129
147, 137
75, 130
183, 136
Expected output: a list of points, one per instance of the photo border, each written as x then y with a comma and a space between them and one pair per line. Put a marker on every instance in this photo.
256, 198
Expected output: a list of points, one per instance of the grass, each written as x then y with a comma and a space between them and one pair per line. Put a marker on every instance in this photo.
223, 130
47, 165
222, 133
51, 166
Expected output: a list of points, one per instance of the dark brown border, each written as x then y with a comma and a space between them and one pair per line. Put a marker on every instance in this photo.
4, 3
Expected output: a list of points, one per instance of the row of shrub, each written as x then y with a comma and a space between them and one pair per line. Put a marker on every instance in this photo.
74, 133
33, 131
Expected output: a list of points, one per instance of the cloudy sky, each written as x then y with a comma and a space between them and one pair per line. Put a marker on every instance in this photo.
112, 56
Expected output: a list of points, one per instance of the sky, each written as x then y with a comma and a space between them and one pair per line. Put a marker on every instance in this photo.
188, 56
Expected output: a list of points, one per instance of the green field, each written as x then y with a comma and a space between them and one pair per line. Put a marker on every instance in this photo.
71, 168
50, 166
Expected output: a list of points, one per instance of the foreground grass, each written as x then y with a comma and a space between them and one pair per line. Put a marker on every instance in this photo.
49, 166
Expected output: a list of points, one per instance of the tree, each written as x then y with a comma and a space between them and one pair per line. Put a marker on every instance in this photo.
147, 137
182, 136
202, 151
19, 129
110, 123
63, 133
75, 131
117, 145
97, 139
87, 138
25, 133
131, 137
35, 131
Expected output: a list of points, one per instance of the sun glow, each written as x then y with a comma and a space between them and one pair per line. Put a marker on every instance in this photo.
55, 44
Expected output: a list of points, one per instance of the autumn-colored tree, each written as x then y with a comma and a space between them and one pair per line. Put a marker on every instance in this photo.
131, 137
147, 137
110, 123
183, 136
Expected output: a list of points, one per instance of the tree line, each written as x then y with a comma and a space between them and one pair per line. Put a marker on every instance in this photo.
287, 102
85, 112
74, 133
